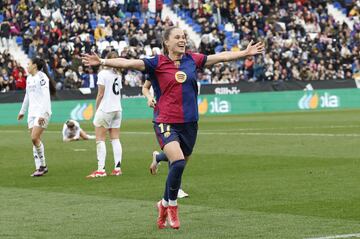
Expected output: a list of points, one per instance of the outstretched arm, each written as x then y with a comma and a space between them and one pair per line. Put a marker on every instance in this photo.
146, 92
250, 50
95, 60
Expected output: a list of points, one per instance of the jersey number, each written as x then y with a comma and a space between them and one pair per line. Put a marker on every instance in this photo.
115, 87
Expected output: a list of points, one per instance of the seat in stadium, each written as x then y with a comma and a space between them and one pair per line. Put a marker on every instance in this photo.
228, 34
189, 21
128, 14
221, 27
1, 18
93, 24
114, 44
219, 48
151, 21
33, 24
197, 28
337, 5
122, 45
137, 15
19, 40
102, 45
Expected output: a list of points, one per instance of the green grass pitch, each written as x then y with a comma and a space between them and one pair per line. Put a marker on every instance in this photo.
286, 175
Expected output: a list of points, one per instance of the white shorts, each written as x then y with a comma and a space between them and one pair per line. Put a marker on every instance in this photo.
108, 120
34, 121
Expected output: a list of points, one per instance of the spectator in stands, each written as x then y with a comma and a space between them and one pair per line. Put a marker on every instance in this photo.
5, 33
90, 79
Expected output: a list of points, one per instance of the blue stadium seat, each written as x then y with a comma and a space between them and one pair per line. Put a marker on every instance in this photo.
189, 21
93, 24
137, 15
344, 11
101, 21
219, 48
19, 40
221, 27
197, 28
182, 14
33, 24
151, 21
337, 5
1, 18
228, 34
128, 14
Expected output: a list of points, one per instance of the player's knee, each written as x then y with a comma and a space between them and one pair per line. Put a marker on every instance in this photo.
35, 141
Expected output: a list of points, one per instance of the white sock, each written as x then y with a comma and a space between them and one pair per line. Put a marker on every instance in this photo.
36, 158
172, 203
117, 149
41, 153
91, 136
101, 154
164, 203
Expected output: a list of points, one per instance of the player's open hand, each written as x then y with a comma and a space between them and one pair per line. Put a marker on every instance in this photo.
90, 60
20, 116
258, 48
151, 102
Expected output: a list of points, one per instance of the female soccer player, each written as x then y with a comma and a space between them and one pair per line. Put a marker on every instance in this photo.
174, 79
108, 118
72, 131
37, 101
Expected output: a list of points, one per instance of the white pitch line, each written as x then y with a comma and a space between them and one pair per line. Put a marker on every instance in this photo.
80, 150
337, 236
222, 133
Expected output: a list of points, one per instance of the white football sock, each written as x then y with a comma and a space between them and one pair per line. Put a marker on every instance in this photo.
101, 154
91, 136
36, 158
164, 203
41, 153
172, 203
117, 149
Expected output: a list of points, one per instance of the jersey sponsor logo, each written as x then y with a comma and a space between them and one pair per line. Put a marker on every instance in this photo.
180, 76
82, 112
312, 100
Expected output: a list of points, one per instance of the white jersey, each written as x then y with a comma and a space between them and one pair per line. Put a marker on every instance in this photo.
112, 97
37, 97
73, 133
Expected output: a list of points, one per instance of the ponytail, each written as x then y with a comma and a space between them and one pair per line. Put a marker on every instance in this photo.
42, 66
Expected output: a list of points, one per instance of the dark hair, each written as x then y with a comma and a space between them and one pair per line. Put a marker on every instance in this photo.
111, 55
41, 66
70, 124
166, 35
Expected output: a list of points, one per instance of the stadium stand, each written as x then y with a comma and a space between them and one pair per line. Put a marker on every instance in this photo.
303, 41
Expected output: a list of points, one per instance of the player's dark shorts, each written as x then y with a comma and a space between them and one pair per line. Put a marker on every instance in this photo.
184, 133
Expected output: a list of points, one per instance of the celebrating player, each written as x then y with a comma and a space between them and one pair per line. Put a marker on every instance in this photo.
37, 101
174, 79
108, 118
72, 131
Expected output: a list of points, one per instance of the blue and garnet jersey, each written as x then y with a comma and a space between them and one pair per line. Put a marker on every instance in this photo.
175, 87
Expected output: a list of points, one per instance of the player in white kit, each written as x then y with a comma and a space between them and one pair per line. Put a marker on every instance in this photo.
72, 131
37, 101
108, 118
